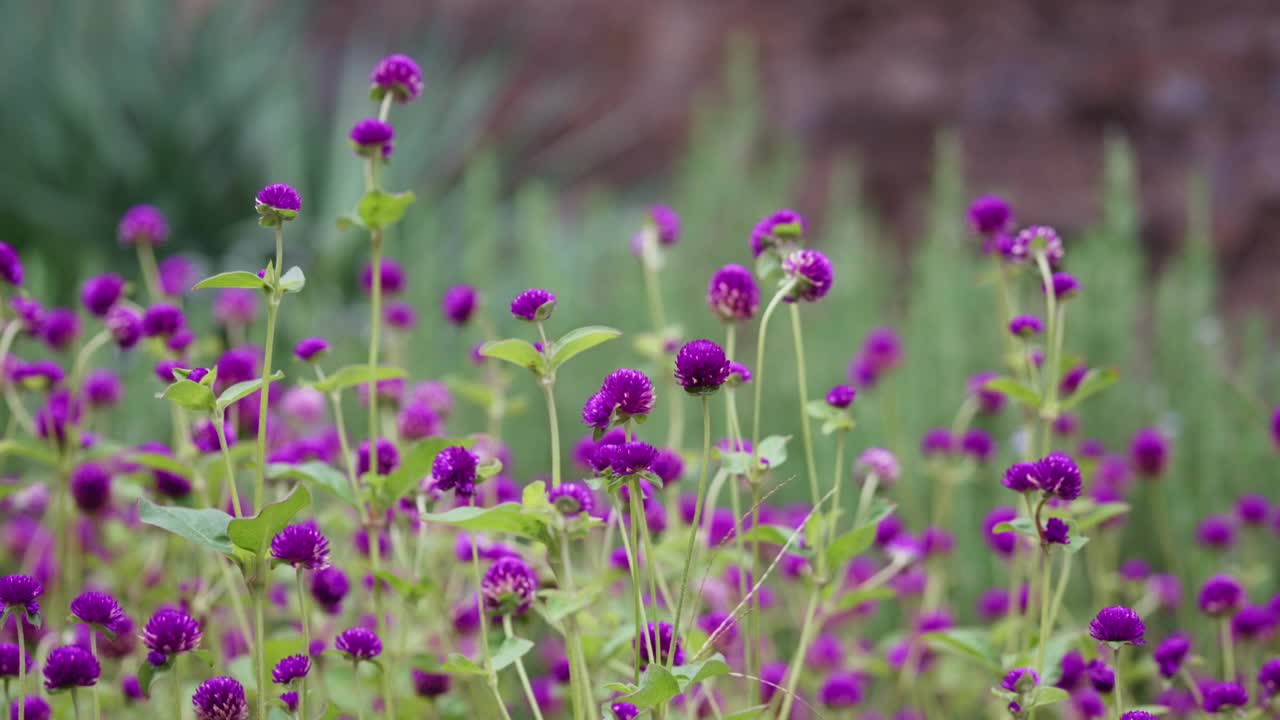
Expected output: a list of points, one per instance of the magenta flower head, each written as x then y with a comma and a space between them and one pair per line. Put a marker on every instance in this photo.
91, 489
10, 265
125, 326
1021, 477
880, 462
9, 660
811, 274
20, 592
372, 138
358, 644
1117, 625
277, 204
1038, 239
1025, 326
626, 458
978, 444
170, 632
1056, 532
459, 304
329, 588
1253, 510
388, 457
1058, 475
990, 402
1269, 678
1003, 542
418, 421
732, 294
1137, 715
1220, 595
784, 227
1065, 286
162, 320
69, 667
572, 499
400, 316
625, 711
1216, 532
59, 328
392, 277
841, 396
100, 610
235, 306
937, 441
701, 367
533, 305
301, 546
508, 587
311, 349
668, 466
220, 698
989, 215
1170, 654
1224, 697
1020, 680
666, 224
1149, 452
659, 638
840, 690
628, 391
397, 75
290, 669
143, 225
101, 292
456, 468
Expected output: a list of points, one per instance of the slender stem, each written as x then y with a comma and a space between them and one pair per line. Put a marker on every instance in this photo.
360, 701
75, 703
837, 476
758, 370
1191, 684
637, 606
806, 431
579, 685
524, 676
1228, 650
735, 437
1064, 575
218, 421
484, 617
150, 271
869, 487
22, 667
548, 389
273, 309
179, 701
807, 631
1051, 374
375, 328
237, 605
17, 411
1046, 567
93, 691
258, 594
1119, 685
306, 641
697, 523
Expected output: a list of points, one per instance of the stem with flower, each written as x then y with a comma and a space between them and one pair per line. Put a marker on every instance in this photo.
696, 526
306, 639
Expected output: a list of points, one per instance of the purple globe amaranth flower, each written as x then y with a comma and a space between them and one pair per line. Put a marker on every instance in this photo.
290, 669
841, 396
1225, 696
811, 274
1117, 624
1135, 570
1065, 286
102, 388
1170, 654
456, 468
400, 316
1149, 452
10, 265
572, 499
1269, 678
1101, 676
100, 293
310, 349
840, 690
732, 294
418, 421
162, 320
277, 204
38, 375
881, 462
666, 224
989, 401
388, 457
397, 75
739, 374
1056, 532
9, 654
100, 609
533, 305
989, 214
170, 631
1216, 532
701, 367
329, 588
357, 643
235, 306
204, 436
626, 458
628, 391
1253, 509
668, 466
1072, 379
937, 441
1253, 622
20, 592
391, 274
29, 312
459, 304
937, 541
220, 698
33, 707
1073, 670
1026, 326
978, 444
429, 684
1020, 680
59, 328
1137, 715
372, 137
624, 711
508, 587
125, 326
70, 666
1058, 475
301, 546
143, 225
1037, 239
659, 638
290, 700
782, 227
1002, 542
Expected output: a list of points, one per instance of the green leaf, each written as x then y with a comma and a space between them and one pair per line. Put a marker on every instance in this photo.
190, 395
156, 461
562, 603
511, 650
657, 686
773, 450
751, 713
1015, 389
346, 222
1046, 695
1077, 543
242, 390
1094, 382
206, 527
516, 352
694, 673
37, 452
378, 209
768, 534
504, 518
477, 393
971, 642
318, 474
234, 279
293, 281
253, 534
414, 466
353, 375
404, 588
1099, 514
578, 341
147, 674
457, 664
849, 545
855, 597
1025, 527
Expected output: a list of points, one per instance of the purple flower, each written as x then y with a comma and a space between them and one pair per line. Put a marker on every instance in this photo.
881, 462
459, 303
1253, 622
1225, 696
29, 312
310, 349
1117, 624
388, 457
301, 546
20, 591
668, 466
1038, 239
1058, 475
629, 391
125, 326
10, 265
533, 305
1073, 670
329, 588
1269, 678
59, 328
9, 660
739, 374
177, 275
989, 215
840, 690
417, 421
143, 224
1056, 532
170, 631
33, 707
277, 204
624, 711
1072, 379
508, 587
783, 226
101, 292
290, 669
626, 458
659, 638
1101, 676
220, 698
666, 224
937, 541
1170, 654
100, 609
398, 75
358, 644
400, 316
1220, 595
70, 666
1026, 326
428, 684
1135, 570
1137, 715
102, 388
290, 700
1020, 680
235, 306
1065, 286
937, 441
733, 295
1253, 509
162, 320
572, 499
701, 367
455, 468
1002, 542
811, 273
978, 444
372, 136
391, 274
1216, 532
841, 396
1149, 452
989, 401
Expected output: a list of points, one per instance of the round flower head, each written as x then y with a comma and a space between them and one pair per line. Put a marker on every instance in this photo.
733, 294
1149, 452
125, 326
1101, 676
1038, 239
310, 349
841, 690
937, 441
290, 669
1216, 532
1065, 286
841, 396
388, 457
989, 215
1269, 678
533, 305
701, 367
358, 644
169, 632
455, 468
665, 223
1170, 654
811, 273
1220, 595
91, 488
100, 609
881, 462
1253, 509
1002, 542
397, 75
391, 275
400, 316
329, 588
372, 137
1137, 715
220, 698
1020, 680
626, 458
660, 637
782, 227
70, 666
1026, 326
508, 587
1058, 475
1021, 477
101, 292
162, 320
143, 224
1117, 624
20, 592
10, 265
428, 684
459, 304
739, 374
624, 711
1225, 696
572, 499
9, 660
668, 466
59, 328
1056, 532
301, 546
1253, 622
417, 421
978, 444
989, 401
277, 204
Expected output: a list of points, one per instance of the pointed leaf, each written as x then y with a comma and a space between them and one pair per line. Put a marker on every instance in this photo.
253, 534
578, 341
773, 450
511, 650
206, 527
317, 474
414, 466
693, 673
38, 452
516, 352
970, 642
293, 281
190, 395
657, 686
457, 664
850, 545
379, 209
1015, 389
242, 390
1094, 382
234, 279
751, 713
353, 375
504, 518
157, 461
768, 534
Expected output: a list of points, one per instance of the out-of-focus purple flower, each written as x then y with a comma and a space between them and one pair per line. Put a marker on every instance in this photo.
1020, 680
1170, 654
358, 643
572, 499
1072, 379
1149, 452
1101, 676
1135, 570
881, 462
162, 320
1056, 532
1269, 678
1225, 696
989, 214
840, 690
177, 275
388, 457
1252, 622
204, 436
125, 326
1167, 590
372, 137
1220, 595
38, 375
102, 388
1001, 542
668, 466
10, 265
59, 328
1216, 532
391, 274
397, 75
220, 698
1066, 424
1038, 239
1253, 509
235, 306
1065, 286
310, 349
400, 316
417, 421
100, 293
978, 444
732, 294
1073, 670
990, 402
782, 227
624, 711
812, 275
329, 588
9, 653
143, 225
841, 396
937, 441
1025, 326
1117, 624
70, 666
701, 367
660, 638
455, 468
533, 305
459, 304
508, 587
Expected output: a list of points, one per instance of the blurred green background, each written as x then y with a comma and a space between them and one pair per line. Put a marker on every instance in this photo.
193, 107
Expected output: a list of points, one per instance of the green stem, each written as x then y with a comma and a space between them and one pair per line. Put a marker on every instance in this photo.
22, 668
1228, 650
362, 700
641, 622
548, 389
1046, 567
837, 476
306, 640
1064, 575
75, 703
807, 432
375, 328
807, 631
1119, 685
697, 523
218, 422
259, 638
380, 621
93, 691
579, 685
524, 676
758, 370
864, 499
735, 437
17, 411
179, 701
273, 310
150, 271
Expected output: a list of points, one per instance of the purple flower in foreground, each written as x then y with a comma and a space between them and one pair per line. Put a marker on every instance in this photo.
372, 137
100, 609
1269, 678
508, 587
732, 294
1170, 654
1117, 624
100, 293
455, 468
70, 666
10, 265
358, 644
1020, 680
143, 225
629, 391
701, 367
1225, 696
220, 698
1058, 475
277, 204
290, 669
811, 273
458, 304
783, 226
841, 396
1220, 595
34, 707
666, 224
1056, 532
91, 488
59, 328
20, 591
881, 462
301, 546
1002, 542
572, 499
533, 305
169, 632
989, 215
398, 75
626, 458
1137, 715
9, 660
624, 711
